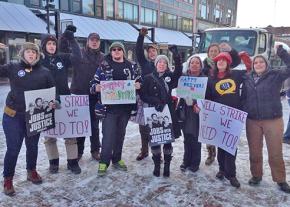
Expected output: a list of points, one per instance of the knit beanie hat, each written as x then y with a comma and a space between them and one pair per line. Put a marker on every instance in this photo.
164, 57
27, 46
224, 55
45, 39
117, 44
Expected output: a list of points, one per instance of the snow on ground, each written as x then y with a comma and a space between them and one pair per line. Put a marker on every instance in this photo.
138, 187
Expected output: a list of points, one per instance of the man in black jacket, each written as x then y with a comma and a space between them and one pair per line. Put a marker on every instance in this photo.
84, 68
147, 67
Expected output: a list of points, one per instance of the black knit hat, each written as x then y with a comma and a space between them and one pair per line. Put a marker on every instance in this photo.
45, 38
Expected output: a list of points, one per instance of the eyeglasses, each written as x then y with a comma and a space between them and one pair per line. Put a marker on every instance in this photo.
117, 49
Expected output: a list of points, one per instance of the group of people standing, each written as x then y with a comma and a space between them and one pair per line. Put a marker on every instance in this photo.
154, 82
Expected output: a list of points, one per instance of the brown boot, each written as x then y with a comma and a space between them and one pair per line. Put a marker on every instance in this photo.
96, 155
141, 156
34, 177
211, 154
8, 186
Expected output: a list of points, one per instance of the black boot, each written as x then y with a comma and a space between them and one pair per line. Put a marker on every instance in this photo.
156, 159
53, 166
167, 160
73, 166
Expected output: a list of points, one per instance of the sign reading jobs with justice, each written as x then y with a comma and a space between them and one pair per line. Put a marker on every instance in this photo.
72, 119
220, 125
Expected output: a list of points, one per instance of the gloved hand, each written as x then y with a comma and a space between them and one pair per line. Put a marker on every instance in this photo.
280, 50
143, 31
71, 28
173, 49
159, 107
100, 111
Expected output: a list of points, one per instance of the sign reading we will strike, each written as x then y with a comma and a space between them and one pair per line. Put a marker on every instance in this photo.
220, 125
72, 119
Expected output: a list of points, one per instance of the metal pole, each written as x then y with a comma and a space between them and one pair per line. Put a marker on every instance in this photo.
47, 16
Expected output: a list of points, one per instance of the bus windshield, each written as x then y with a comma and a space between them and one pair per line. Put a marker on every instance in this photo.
240, 40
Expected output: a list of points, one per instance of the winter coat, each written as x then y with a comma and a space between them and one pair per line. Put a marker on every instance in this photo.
108, 71
147, 66
261, 100
23, 80
154, 91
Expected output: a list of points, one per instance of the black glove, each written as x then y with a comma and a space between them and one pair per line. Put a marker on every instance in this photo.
71, 28
173, 49
160, 107
280, 50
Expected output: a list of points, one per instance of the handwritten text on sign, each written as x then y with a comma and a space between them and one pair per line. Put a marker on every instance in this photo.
191, 87
73, 119
118, 92
220, 125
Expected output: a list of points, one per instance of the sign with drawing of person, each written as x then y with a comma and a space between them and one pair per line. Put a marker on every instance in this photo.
118, 92
39, 113
160, 124
191, 87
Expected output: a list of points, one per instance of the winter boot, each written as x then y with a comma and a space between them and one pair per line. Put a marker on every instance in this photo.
167, 160
183, 167
53, 166
255, 181
156, 160
73, 166
234, 182
141, 156
220, 175
211, 154
8, 186
34, 177
284, 187
96, 155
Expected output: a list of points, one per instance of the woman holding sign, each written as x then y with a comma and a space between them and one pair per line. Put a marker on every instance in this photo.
24, 76
190, 122
261, 100
156, 91
224, 88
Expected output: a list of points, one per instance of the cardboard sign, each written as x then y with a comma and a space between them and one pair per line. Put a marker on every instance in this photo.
191, 87
220, 125
72, 119
39, 114
160, 124
118, 92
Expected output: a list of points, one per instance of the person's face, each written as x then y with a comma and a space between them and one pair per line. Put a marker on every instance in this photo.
39, 103
213, 52
160, 119
194, 66
154, 117
45, 104
50, 47
161, 66
117, 53
259, 65
94, 43
222, 65
152, 53
30, 55
166, 120
225, 47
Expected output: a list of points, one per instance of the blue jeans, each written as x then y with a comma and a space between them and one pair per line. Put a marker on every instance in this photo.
114, 130
287, 132
15, 132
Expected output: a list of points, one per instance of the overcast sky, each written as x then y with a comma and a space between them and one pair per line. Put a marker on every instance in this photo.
261, 13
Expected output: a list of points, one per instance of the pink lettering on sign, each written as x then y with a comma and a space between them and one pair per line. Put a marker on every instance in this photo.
113, 85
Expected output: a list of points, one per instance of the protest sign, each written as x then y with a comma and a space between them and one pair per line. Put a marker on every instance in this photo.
118, 92
160, 124
191, 87
220, 125
39, 114
72, 119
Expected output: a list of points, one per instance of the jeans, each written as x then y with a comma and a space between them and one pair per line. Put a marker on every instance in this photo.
227, 163
192, 151
15, 132
114, 130
95, 138
287, 132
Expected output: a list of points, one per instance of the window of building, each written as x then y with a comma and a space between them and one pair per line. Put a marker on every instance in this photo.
88, 7
34, 3
148, 16
217, 13
55, 3
76, 6
168, 20
15, 45
99, 8
16, 1
64, 5
186, 25
229, 17
110, 8
127, 11
203, 9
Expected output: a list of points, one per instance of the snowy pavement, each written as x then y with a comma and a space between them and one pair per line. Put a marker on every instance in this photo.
138, 187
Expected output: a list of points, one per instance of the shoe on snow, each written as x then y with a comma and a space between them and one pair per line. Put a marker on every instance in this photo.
234, 182
34, 177
120, 165
220, 175
255, 181
102, 169
182, 167
284, 187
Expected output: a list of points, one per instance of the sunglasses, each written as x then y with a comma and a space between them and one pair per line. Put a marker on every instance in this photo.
117, 49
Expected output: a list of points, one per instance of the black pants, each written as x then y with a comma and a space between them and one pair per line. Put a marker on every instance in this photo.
114, 130
227, 163
145, 138
192, 151
95, 138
